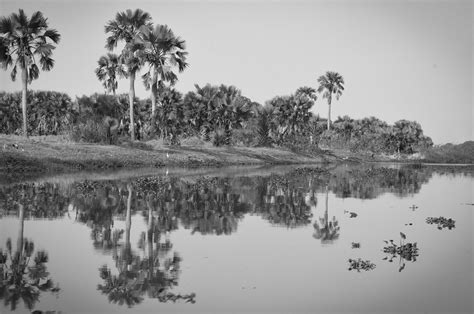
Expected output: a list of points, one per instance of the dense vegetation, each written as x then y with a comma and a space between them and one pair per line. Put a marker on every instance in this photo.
220, 114
450, 153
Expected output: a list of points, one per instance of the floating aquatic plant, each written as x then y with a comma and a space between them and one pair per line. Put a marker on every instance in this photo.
405, 251
351, 214
359, 264
442, 222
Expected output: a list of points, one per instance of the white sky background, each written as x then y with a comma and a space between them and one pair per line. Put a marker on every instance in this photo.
400, 59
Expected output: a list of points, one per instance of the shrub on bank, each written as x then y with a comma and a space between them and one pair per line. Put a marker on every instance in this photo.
451, 153
372, 134
49, 113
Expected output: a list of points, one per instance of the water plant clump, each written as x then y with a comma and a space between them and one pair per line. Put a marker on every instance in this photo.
359, 264
442, 222
355, 245
407, 251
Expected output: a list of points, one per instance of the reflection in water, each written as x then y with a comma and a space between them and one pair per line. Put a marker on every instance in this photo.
142, 275
369, 183
327, 231
23, 275
204, 205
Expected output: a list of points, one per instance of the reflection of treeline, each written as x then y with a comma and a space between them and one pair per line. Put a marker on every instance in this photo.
368, 183
40, 200
210, 205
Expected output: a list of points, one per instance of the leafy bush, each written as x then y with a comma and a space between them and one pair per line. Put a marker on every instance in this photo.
301, 144
372, 134
243, 137
216, 111
94, 131
450, 153
49, 113
219, 138
264, 127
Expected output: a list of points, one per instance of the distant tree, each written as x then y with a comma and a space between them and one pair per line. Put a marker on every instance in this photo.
218, 109
125, 28
264, 126
108, 70
21, 39
169, 117
199, 106
291, 114
163, 52
408, 135
329, 84
307, 92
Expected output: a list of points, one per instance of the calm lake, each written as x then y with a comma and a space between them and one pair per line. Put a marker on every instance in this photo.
353, 238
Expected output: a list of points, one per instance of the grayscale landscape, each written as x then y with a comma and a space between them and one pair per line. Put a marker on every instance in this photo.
236, 156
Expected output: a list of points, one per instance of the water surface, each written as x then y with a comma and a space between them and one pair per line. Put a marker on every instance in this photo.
251, 240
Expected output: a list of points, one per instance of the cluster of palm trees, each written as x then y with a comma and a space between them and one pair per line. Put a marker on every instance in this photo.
154, 46
27, 43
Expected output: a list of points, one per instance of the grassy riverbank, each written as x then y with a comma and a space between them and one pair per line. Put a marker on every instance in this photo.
22, 158
54, 154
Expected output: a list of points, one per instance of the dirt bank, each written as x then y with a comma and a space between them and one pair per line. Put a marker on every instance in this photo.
21, 157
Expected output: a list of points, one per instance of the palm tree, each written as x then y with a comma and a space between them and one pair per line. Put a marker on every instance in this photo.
108, 69
126, 27
21, 40
307, 92
331, 83
163, 52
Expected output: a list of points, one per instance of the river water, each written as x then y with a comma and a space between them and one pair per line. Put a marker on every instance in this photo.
367, 238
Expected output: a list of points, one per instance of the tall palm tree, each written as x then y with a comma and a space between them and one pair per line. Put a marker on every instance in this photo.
125, 28
108, 70
21, 40
162, 51
330, 83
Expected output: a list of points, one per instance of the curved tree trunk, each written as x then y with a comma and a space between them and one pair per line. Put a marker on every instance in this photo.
329, 112
24, 81
131, 97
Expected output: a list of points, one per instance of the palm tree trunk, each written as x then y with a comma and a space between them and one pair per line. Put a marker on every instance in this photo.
21, 218
329, 112
128, 219
24, 81
131, 97
154, 92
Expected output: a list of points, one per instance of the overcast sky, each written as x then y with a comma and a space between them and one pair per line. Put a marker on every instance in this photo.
400, 59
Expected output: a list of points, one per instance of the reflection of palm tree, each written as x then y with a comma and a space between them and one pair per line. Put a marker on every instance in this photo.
328, 231
20, 279
137, 276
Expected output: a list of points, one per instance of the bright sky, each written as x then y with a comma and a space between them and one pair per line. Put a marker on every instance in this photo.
400, 59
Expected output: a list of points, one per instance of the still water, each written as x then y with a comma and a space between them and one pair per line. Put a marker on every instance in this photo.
248, 240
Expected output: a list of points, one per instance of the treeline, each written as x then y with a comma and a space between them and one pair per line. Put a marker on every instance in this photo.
220, 115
